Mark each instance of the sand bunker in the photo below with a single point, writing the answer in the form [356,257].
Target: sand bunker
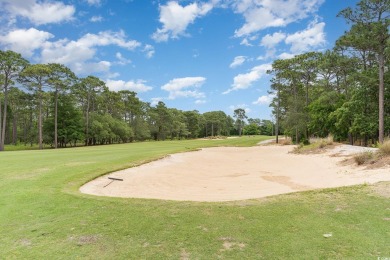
[231,173]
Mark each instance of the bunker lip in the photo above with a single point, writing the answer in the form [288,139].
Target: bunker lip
[233,173]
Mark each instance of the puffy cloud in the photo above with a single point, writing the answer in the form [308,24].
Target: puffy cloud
[264,100]
[238,61]
[176,18]
[185,87]
[136,86]
[262,14]
[25,41]
[244,81]
[77,54]
[270,41]
[39,12]
[286,56]
[307,39]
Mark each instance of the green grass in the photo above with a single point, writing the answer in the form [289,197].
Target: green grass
[43,216]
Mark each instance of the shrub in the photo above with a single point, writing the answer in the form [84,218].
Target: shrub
[363,158]
[286,141]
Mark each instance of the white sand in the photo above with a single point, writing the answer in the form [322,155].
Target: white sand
[228,174]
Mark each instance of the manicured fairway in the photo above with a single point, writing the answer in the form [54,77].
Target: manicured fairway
[43,215]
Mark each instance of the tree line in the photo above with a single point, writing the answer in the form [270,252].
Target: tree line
[48,104]
[344,91]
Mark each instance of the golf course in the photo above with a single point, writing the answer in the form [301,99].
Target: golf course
[45,216]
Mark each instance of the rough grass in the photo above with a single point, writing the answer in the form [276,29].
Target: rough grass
[384,149]
[379,158]
[364,158]
[317,145]
[43,216]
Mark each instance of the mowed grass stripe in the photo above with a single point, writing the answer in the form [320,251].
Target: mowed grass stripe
[43,216]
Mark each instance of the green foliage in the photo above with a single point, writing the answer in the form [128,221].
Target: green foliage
[70,124]
[251,129]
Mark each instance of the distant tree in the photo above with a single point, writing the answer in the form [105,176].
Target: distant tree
[251,129]
[240,116]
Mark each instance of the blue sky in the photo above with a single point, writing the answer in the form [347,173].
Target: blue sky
[205,55]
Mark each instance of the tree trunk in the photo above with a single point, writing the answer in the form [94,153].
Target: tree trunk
[381,60]
[40,138]
[87,122]
[277,117]
[55,119]
[2,138]
[14,130]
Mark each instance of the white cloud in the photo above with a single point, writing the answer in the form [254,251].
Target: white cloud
[91,67]
[238,61]
[246,42]
[79,53]
[149,51]
[264,100]
[39,12]
[96,19]
[185,87]
[25,41]
[262,14]
[200,102]
[270,41]
[242,106]
[156,100]
[176,18]
[286,56]
[94,2]
[122,60]
[136,86]
[244,81]
[310,38]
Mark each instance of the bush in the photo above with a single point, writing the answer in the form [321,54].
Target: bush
[286,141]
[363,158]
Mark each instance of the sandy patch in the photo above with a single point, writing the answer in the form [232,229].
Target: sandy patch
[232,173]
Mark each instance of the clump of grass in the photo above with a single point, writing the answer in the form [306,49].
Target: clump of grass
[286,141]
[316,145]
[363,158]
[384,149]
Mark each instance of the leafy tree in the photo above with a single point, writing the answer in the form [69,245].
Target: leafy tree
[70,125]
[240,116]
[88,91]
[251,129]
[11,64]
[36,77]
[369,32]
[61,79]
